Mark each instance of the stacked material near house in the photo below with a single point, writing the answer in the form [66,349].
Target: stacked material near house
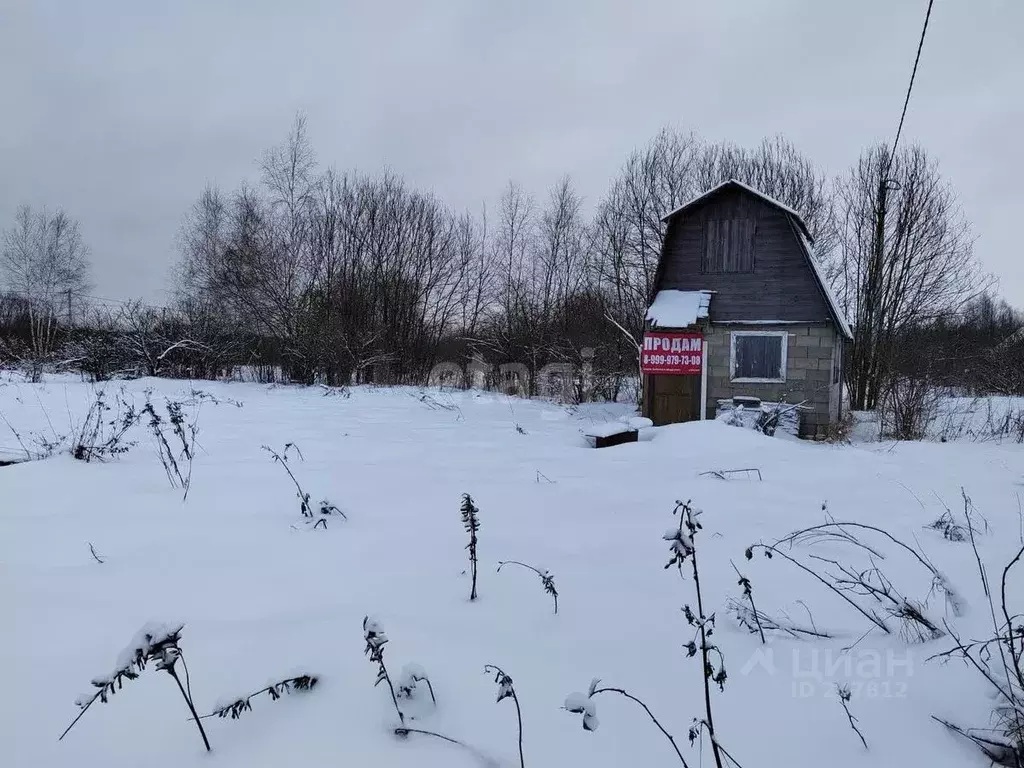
[764,417]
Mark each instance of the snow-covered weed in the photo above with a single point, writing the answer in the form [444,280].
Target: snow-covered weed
[506,690]
[408,682]
[471,522]
[584,704]
[326,509]
[376,639]
[177,462]
[236,707]
[844,694]
[156,643]
[547,580]
[867,589]
[683,550]
[999,659]
[948,526]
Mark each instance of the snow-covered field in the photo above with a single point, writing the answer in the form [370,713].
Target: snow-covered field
[263,596]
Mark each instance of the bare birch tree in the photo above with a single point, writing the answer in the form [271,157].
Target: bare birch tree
[46,261]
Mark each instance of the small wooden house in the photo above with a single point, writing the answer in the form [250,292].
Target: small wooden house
[740,309]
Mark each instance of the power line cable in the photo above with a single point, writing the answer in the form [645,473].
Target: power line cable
[913,76]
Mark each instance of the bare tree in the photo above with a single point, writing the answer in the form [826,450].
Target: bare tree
[45,260]
[201,242]
[904,257]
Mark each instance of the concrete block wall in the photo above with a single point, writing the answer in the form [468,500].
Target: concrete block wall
[810,359]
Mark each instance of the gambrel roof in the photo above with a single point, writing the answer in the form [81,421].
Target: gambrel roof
[801,231]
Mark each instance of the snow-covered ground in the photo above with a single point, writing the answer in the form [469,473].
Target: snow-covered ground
[263,596]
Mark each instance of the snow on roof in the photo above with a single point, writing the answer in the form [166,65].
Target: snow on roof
[608,428]
[735,182]
[625,424]
[837,311]
[678,309]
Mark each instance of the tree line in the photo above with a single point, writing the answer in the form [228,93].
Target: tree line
[321,275]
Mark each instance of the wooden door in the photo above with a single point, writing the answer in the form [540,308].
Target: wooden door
[672,399]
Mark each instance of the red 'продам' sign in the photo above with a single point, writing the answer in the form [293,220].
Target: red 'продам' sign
[672,353]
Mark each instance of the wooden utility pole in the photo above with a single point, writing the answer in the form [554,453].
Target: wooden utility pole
[875,287]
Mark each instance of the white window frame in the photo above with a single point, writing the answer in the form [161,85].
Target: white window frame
[784,338]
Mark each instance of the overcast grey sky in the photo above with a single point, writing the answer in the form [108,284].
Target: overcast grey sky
[122,110]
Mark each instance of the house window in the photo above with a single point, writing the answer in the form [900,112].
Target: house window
[728,246]
[758,356]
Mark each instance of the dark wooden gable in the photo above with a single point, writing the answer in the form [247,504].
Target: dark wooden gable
[748,251]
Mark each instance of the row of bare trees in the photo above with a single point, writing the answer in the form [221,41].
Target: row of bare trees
[44,263]
[361,278]
[319,275]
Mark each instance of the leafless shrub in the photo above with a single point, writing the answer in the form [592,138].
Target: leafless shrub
[839,431]
[908,404]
